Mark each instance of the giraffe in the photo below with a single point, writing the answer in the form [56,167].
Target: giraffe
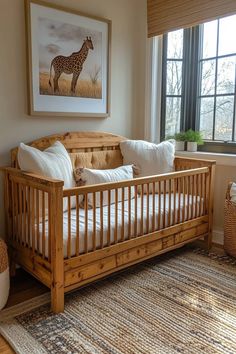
[72,64]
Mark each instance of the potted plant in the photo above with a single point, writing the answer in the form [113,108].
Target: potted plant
[179,141]
[193,138]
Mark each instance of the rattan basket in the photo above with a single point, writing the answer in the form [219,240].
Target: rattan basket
[230,224]
[4,274]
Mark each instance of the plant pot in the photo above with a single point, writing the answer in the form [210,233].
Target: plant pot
[192,146]
[179,145]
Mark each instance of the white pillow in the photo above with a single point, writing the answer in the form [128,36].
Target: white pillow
[148,158]
[92,176]
[53,162]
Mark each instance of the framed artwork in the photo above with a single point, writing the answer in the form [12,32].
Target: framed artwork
[68,61]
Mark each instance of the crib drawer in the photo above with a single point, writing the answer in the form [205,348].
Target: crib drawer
[191,233]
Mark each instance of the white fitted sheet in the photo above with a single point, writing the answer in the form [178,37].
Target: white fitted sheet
[196,205]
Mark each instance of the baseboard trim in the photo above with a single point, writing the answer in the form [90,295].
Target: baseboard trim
[218,237]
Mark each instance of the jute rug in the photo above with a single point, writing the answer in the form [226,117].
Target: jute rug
[183,302]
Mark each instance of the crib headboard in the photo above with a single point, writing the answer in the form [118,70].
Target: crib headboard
[76,142]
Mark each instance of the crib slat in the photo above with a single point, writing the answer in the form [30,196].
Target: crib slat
[174,208]
[25,213]
[123,215]
[101,219]
[159,205]
[188,196]
[20,212]
[192,196]
[116,216]
[170,204]
[29,216]
[207,192]
[43,224]
[147,215]
[77,226]
[179,199]
[109,219]
[195,195]
[184,202]
[37,220]
[49,226]
[94,221]
[13,210]
[86,223]
[17,211]
[153,207]
[129,211]
[142,195]
[69,229]
[136,211]
[202,194]
[164,203]
[33,219]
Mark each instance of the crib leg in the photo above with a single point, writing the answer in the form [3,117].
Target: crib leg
[57,298]
[208,241]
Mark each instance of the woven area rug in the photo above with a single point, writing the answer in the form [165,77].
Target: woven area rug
[182,302]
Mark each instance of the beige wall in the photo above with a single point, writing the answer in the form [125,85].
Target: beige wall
[127,75]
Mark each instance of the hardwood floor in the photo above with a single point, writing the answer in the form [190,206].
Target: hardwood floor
[23,287]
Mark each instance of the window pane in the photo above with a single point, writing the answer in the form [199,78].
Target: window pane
[208,77]
[209,39]
[173,109]
[206,117]
[224,118]
[226,75]
[174,78]
[227,43]
[175,45]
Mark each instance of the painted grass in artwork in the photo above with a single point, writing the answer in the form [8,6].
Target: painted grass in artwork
[84,88]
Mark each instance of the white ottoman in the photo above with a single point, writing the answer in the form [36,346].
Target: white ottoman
[4,275]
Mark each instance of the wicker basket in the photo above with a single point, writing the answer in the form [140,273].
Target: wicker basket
[230,224]
[4,274]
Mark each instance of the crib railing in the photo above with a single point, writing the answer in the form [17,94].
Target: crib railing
[34,211]
[162,192]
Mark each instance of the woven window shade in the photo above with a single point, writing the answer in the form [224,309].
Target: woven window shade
[168,15]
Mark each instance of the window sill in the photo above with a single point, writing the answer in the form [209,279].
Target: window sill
[221,159]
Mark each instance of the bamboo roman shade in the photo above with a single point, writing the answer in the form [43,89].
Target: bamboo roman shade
[168,15]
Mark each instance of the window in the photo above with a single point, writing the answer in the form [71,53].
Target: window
[198,81]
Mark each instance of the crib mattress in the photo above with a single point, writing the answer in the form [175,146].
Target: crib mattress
[147,225]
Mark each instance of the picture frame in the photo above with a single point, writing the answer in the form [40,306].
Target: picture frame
[68,61]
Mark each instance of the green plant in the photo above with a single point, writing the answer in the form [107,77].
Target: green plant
[177,136]
[194,136]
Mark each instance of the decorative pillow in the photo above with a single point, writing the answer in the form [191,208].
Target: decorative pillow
[53,162]
[86,176]
[148,158]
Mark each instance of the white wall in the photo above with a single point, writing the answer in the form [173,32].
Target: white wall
[127,76]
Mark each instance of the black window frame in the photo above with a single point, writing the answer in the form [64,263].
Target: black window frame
[191,90]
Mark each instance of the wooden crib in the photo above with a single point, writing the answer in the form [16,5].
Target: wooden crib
[51,245]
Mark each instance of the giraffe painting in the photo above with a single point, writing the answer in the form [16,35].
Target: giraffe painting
[72,64]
